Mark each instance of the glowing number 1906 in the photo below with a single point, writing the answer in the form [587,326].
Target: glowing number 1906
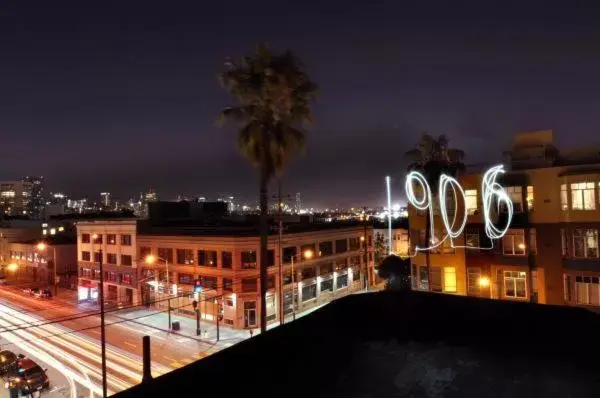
[418,194]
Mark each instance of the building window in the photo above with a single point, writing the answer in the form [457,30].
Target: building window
[186,279]
[97,257]
[472,238]
[226,260]
[207,258]
[585,243]
[582,196]
[126,240]
[325,248]
[166,254]
[473,278]
[271,282]
[423,278]
[354,243]
[185,256]
[529,198]
[98,239]
[126,260]
[342,281]
[145,252]
[309,272]
[532,241]
[341,245]
[515,284]
[564,243]
[248,260]
[471,201]
[327,285]
[288,253]
[111,258]
[309,292]
[208,282]
[516,196]
[513,243]
[270,258]
[111,239]
[450,279]
[227,285]
[85,238]
[127,279]
[587,290]
[564,197]
[85,256]
[248,285]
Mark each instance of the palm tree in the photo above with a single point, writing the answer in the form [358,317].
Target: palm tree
[274,94]
[433,157]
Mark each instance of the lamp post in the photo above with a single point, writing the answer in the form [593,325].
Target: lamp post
[102,326]
[14,267]
[151,259]
[41,247]
[308,254]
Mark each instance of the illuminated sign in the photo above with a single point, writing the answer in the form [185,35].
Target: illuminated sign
[418,194]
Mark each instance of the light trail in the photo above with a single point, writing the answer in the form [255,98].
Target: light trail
[48,343]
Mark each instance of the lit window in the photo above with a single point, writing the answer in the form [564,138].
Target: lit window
[564,201]
[529,198]
[515,284]
[587,290]
[450,279]
[564,243]
[472,238]
[44,232]
[52,231]
[583,196]
[585,243]
[516,196]
[473,281]
[471,201]
[513,243]
[60,229]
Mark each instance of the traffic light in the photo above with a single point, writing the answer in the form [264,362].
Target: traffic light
[197,286]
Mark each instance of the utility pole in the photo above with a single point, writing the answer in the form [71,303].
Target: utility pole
[281,310]
[169,311]
[366,249]
[147,361]
[218,316]
[102,329]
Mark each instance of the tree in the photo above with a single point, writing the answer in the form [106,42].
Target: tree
[274,94]
[379,248]
[433,157]
[396,271]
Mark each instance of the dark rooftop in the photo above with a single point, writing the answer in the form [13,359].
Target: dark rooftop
[53,240]
[405,344]
[224,227]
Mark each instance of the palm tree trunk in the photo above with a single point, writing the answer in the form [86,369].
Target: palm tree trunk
[427,243]
[264,230]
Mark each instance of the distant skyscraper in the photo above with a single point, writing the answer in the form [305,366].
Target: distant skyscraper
[105,198]
[151,196]
[37,201]
[298,202]
[15,197]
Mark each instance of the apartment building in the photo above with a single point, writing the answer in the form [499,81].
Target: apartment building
[15,197]
[550,252]
[217,266]
[399,238]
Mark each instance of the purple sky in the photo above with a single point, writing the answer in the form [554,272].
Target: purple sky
[123,95]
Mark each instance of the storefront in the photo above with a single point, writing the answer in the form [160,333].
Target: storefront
[87,291]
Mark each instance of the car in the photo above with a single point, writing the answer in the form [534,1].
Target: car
[44,294]
[29,377]
[8,362]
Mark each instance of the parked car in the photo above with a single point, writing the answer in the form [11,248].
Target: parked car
[8,362]
[43,294]
[29,377]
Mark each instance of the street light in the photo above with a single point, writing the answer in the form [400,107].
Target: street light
[13,267]
[151,259]
[308,254]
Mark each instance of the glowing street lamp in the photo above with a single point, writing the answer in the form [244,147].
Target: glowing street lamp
[41,246]
[13,267]
[484,281]
[307,254]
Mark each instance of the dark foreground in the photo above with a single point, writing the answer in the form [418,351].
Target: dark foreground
[405,345]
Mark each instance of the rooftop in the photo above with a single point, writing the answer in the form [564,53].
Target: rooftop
[405,344]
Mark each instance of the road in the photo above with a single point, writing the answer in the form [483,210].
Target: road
[70,349]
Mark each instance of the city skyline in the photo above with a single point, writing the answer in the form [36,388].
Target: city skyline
[149,103]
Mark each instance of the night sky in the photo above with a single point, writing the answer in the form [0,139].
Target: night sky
[123,95]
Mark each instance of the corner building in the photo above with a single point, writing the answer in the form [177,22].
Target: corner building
[225,262]
[550,253]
